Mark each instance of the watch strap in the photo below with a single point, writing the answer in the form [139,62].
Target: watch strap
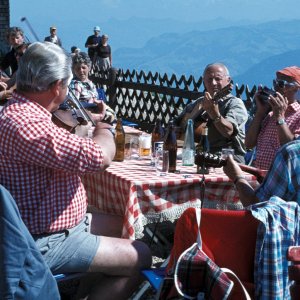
[280,122]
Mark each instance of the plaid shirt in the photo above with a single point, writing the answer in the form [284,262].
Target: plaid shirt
[268,140]
[41,164]
[279,229]
[283,179]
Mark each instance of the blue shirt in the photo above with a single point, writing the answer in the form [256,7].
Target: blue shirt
[278,230]
[283,179]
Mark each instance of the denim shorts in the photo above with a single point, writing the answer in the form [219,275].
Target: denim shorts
[70,250]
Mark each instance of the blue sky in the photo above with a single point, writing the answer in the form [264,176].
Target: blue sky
[187,10]
[80,14]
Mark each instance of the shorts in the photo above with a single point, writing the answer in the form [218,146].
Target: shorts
[70,250]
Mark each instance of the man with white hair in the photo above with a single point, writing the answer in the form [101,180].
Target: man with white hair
[47,162]
[226,114]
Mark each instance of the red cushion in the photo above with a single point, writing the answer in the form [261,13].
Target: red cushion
[228,238]
[186,235]
[231,237]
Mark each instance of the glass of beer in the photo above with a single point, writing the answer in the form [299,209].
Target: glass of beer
[145,145]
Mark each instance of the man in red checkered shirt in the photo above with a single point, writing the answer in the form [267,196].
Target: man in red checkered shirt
[41,165]
[277,119]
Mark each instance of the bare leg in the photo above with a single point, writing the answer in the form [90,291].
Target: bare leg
[107,225]
[120,262]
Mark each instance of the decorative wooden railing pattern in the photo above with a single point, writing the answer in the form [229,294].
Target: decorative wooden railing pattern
[142,98]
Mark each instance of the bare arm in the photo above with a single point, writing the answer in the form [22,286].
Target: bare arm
[279,106]
[212,108]
[105,139]
[262,108]
[246,192]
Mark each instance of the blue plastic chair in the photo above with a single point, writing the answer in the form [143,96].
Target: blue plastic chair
[68,276]
[101,94]
[129,123]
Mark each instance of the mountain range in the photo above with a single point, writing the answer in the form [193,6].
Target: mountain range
[252,52]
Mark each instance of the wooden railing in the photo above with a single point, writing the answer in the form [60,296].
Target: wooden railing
[142,98]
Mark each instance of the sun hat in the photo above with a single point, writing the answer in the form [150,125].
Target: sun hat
[292,72]
[96,28]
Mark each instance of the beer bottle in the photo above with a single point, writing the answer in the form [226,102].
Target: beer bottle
[188,148]
[170,144]
[157,134]
[203,146]
[120,141]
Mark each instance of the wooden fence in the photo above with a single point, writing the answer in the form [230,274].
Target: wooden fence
[142,98]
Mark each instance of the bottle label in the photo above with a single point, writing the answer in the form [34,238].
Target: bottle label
[158,146]
[188,157]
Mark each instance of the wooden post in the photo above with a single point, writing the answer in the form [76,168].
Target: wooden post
[112,89]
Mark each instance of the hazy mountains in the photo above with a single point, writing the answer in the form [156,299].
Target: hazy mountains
[252,52]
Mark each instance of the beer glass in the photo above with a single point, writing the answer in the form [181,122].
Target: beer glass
[145,145]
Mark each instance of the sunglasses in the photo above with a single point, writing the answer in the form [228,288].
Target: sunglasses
[283,83]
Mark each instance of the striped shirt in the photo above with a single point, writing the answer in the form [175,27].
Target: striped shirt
[41,165]
[268,140]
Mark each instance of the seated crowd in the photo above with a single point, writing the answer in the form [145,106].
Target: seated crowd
[35,154]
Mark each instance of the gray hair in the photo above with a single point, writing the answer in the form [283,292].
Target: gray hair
[217,64]
[41,66]
[81,58]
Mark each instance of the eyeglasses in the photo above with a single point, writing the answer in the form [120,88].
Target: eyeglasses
[283,83]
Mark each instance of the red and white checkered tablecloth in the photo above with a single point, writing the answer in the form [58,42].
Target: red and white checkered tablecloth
[133,190]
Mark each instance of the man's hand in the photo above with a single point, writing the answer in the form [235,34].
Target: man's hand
[262,103]
[279,105]
[232,169]
[101,110]
[210,106]
[3,86]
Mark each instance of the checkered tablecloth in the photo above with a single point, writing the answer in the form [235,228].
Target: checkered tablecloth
[133,190]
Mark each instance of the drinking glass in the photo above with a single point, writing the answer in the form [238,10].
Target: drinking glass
[133,151]
[162,162]
[145,145]
[226,152]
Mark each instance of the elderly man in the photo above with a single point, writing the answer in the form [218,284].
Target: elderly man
[271,129]
[41,166]
[226,114]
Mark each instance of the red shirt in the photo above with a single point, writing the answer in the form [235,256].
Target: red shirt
[41,165]
[268,140]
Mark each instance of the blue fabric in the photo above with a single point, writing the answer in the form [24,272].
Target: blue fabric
[283,179]
[24,273]
[101,94]
[279,229]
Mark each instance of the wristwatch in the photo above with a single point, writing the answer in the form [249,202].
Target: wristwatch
[280,122]
[217,119]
